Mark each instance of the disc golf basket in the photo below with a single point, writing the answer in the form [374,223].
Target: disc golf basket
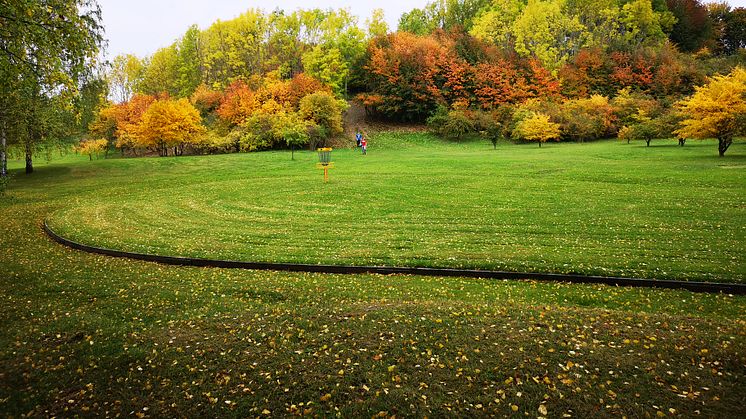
[325,161]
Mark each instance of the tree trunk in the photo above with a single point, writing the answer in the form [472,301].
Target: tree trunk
[29,159]
[723,144]
[647,142]
[292,152]
[3,155]
[539,144]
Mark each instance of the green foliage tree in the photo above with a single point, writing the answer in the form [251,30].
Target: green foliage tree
[452,124]
[324,110]
[124,77]
[643,128]
[643,25]
[376,24]
[161,73]
[544,31]
[188,69]
[495,24]
[293,130]
[234,49]
[728,27]
[416,22]
[48,48]
[442,14]
[328,66]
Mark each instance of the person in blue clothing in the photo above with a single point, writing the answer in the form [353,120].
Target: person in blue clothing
[359,137]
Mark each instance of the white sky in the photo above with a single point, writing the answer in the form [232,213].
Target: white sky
[140,27]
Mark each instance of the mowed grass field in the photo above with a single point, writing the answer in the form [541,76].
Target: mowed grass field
[604,208]
[96,336]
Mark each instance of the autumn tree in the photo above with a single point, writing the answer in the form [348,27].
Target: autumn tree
[586,119]
[402,70]
[92,147]
[168,124]
[238,103]
[127,117]
[717,109]
[205,99]
[536,127]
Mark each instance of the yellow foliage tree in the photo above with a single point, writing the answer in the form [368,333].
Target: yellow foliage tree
[169,124]
[717,109]
[91,147]
[537,127]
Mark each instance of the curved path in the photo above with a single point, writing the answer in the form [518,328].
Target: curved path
[711,287]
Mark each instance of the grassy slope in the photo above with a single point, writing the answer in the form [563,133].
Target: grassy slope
[84,334]
[602,208]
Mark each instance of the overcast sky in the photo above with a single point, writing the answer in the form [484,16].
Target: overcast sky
[140,27]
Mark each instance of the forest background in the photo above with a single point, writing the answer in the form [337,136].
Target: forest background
[536,70]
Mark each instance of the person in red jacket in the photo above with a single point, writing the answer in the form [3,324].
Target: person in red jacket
[364,145]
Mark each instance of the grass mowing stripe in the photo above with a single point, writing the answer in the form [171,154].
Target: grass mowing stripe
[710,287]
[86,335]
[614,209]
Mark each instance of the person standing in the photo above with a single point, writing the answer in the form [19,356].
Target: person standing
[359,137]
[364,145]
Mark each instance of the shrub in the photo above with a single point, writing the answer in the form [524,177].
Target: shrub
[324,110]
[487,126]
[585,119]
[437,121]
[257,132]
[451,124]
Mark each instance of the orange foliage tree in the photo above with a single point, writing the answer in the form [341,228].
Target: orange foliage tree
[205,99]
[238,103]
[169,124]
[402,71]
[410,76]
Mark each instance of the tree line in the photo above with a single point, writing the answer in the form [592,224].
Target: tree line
[582,69]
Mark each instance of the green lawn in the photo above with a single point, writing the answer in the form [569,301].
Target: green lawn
[90,335]
[603,208]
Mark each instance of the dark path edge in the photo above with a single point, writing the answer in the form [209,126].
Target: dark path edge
[708,287]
